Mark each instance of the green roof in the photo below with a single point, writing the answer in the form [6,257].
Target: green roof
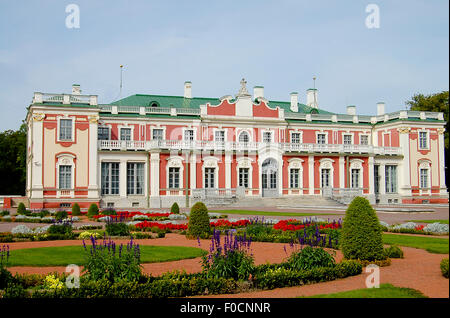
[195,102]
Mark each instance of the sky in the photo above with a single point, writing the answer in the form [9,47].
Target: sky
[280,45]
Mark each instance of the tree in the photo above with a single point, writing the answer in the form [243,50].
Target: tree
[13,160]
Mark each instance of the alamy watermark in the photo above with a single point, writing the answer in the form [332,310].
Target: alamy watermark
[373,19]
[73,18]
[373,280]
[73,279]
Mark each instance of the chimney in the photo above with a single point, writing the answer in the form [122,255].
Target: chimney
[76,89]
[311,98]
[294,102]
[380,108]
[258,91]
[351,110]
[187,89]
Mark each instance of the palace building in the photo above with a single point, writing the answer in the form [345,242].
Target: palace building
[148,151]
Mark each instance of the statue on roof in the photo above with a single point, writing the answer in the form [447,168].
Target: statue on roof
[243,90]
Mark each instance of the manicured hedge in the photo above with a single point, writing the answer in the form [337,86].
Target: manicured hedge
[444,267]
[198,225]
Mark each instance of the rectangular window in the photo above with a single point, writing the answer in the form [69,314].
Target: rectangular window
[110,178]
[243,177]
[135,178]
[209,178]
[219,135]
[347,139]
[125,133]
[321,138]
[273,180]
[267,136]
[294,178]
[376,178]
[364,140]
[295,138]
[65,129]
[423,140]
[391,179]
[103,133]
[355,178]
[424,178]
[325,177]
[174,178]
[189,135]
[158,134]
[65,177]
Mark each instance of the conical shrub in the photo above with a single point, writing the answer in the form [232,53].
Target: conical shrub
[175,208]
[361,236]
[198,225]
[76,209]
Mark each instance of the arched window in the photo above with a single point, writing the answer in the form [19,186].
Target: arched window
[314,111]
[153,104]
[244,137]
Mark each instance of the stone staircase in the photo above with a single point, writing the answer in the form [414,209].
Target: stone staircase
[281,202]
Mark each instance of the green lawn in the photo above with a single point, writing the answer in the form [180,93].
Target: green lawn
[64,255]
[430,244]
[269,213]
[385,291]
[429,221]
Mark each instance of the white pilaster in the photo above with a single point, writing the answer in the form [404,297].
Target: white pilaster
[341,172]
[154,177]
[37,151]
[404,166]
[382,175]
[311,174]
[442,183]
[193,170]
[228,160]
[371,177]
[123,178]
[93,158]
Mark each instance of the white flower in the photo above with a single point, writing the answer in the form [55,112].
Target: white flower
[21,229]
[436,228]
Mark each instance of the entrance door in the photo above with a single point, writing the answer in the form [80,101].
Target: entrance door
[269,178]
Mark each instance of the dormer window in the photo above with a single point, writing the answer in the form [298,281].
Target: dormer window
[153,104]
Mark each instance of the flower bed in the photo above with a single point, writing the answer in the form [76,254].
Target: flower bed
[161,226]
[295,225]
[414,228]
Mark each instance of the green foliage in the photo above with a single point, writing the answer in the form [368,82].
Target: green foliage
[198,225]
[108,211]
[361,236]
[13,161]
[308,258]
[5,277]
[4,212]
[93,210]
[76,209]
[21,209]
[61,215]
[393,251]
[175,208]
[444,267]
[63,228]
[111,262]
[236,264]
[15,290]
[117,229]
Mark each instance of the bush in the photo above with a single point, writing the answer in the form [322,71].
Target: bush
[361,236]
[175,208]
[309,258]
[60,228]
[108,211]
[106,261]
[117,229]
[93,210]
[444,267]
[76,209]
[21,209]
[61,215]
[4,212]
[393,251]
[6,237]
[198,225]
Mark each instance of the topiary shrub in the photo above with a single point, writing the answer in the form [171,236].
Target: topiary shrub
[308,258]
[21,209]
[93,210]
[198,225]
[175,208]
[61,215]
[76,209]
[393,251]
[361,236]
[108,211]
[444,267]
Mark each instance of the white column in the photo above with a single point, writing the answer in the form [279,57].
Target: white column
[382,175]
[442,186]
[280,168]
[371,177]
[123,178]
[311,174]
[37,151]
[154,180]
[93,158]
[228,160]
[341,172]
[193,170]
[404,176]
